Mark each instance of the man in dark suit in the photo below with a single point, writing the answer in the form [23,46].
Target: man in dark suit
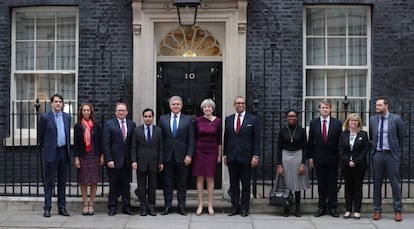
[147,154]
[55,144]
[117,135]
[179,139]
[386,131]
[241,153]
[324,135]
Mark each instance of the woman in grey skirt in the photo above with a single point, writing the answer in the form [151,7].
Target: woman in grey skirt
[291,158]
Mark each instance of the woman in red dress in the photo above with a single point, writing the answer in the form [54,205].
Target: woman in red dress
[207,152]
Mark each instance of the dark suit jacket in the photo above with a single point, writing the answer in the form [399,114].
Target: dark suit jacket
[48,135]
[358,152]
[320,151]
[183,144]
[114,147]
[246,144]
[80,147]
[395,134]
[147,155]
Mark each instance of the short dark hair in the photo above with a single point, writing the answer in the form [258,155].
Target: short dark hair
[56,95]
[291,110]
[146,110]
[386,100]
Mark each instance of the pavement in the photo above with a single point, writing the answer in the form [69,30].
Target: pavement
[26,218]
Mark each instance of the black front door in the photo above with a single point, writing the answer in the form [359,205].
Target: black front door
[194,82]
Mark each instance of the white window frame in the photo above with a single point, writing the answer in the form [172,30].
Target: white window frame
[20,137]
[337,67]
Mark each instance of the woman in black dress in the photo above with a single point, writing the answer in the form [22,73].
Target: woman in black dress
[88,156]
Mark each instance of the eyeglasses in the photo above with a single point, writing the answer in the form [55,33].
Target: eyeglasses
[121,110]
[240,103]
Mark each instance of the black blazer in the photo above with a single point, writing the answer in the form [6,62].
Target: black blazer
[320,151]
[114,147]
[80,147]
[183,144]
[147,155]
[246,144]
[358,152]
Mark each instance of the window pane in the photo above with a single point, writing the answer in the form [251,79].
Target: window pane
[25,87]
[315,51]
[315,22]
[357,51]
[45,55]
[25,55]
[65,55]
[357,80]
[336,51]
[66,26]
[336,21]
[25,26]
[45,86]
[315,82]
[336,82]
[45,26]
[66,86]
[357,22]
[24,115]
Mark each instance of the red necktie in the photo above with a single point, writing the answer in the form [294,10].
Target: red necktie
[238,124]
[123,130]
[324,135]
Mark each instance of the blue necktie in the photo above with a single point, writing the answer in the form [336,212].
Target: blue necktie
[174,127]
[148,134]
[60,130]
[381,140]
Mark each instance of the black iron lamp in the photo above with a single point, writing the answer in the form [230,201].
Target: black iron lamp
[187,11]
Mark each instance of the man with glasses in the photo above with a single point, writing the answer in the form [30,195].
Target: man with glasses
[117,135]
[241,153]
[55,144]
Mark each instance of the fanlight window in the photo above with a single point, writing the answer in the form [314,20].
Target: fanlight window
[189,42]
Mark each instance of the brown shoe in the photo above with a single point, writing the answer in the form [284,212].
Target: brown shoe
[377,216]
[398,217]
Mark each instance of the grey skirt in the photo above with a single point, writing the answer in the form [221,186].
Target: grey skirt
[291,161]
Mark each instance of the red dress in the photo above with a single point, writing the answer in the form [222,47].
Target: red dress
[206,148]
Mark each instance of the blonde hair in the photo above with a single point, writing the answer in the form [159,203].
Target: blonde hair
[345,127]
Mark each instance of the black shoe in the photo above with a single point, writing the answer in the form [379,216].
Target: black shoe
[62,211]
[152,212]
[234,212]
[182,211]
[333,213]
[244,213]
[112,212]
[320,212]
[297,213]
[166,211]
[143,212]
[127,211]
[286,212]
[46,213]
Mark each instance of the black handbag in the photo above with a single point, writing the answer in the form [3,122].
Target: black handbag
[281,197]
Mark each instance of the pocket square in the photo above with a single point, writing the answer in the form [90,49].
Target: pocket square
[248,125]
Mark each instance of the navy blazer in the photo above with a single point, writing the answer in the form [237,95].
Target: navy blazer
[183,143]
[358,152]
[395,134]
[244,145]
[80,146]
[114,147]
[48,135]
[147,155]
[319,150]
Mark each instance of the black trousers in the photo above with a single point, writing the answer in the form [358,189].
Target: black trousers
[353,188]
[119,179]
[239,172]
[327,174]
[147,184]
[175,174]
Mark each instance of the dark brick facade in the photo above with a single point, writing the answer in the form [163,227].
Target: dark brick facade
[274,53]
